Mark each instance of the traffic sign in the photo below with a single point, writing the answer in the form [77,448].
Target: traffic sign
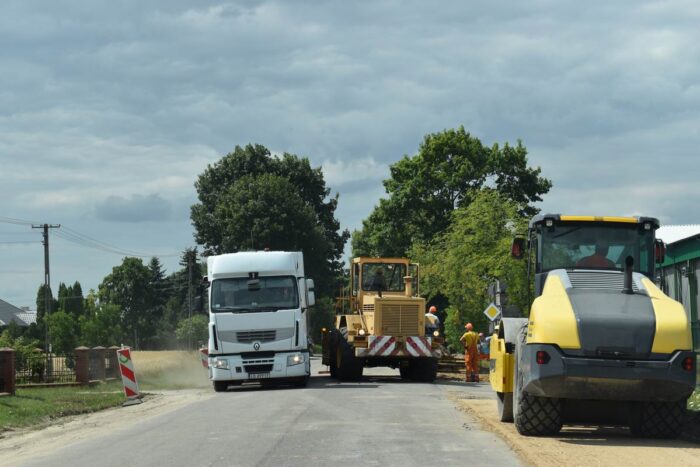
[492,312]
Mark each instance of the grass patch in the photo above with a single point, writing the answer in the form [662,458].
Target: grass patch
[169,369]
[32,406]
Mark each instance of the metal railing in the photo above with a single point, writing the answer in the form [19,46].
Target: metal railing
[44,368]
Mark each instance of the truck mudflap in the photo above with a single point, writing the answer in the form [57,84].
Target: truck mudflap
[572,377]
[391,346]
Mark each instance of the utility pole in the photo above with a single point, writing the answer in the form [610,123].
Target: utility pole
[47,280]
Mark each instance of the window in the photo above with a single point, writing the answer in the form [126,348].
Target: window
[265,294]
[392,273]
[596,246]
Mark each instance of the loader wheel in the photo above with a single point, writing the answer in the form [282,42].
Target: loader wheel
[533,415]
[423,369]
[505,406]
[405,372]
[350,367]
[332,357]
[658,419]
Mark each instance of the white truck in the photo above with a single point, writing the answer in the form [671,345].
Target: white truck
[258,310]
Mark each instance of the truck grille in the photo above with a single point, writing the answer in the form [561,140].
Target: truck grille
[246,337]
[400,320]
[265,368]
[599,280]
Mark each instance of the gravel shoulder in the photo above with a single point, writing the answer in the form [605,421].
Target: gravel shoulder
[582,445]
[20,445]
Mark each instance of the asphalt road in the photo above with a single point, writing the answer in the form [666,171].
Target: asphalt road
[379,421]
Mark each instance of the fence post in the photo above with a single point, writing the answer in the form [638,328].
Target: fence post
[113,362]
[98,359]
[82,365]
[7,370]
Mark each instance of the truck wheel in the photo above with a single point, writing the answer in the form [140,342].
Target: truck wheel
[505,406]
[220,386]
[533,415]
[424,369]
[350,368]
[301,382]
[332,355]
[658,419]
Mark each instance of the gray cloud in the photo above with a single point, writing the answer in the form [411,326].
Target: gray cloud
[132,97]
[137,208]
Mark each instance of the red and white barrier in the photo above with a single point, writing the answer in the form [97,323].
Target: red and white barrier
[204,354]
[126,367]
[386,346]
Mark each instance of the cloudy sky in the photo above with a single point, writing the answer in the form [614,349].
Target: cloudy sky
[109,110]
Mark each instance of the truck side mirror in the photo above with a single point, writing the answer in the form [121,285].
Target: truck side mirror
[659,251]
[517,248]
[310,292]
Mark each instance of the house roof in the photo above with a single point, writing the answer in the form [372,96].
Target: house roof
[676,233]
[9,313]
[28,316]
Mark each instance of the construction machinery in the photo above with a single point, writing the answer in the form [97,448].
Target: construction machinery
[602,342]
[383,324]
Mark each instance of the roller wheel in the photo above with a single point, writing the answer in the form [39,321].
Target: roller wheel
[424,369]
[533,415]
[350,367]
[658,419]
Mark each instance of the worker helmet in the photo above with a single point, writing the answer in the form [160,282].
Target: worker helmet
[433,309]
[468,326]
[481,334]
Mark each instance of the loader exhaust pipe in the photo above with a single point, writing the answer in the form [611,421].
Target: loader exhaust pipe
[629,262]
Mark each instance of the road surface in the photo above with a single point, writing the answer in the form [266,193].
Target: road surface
[379,421]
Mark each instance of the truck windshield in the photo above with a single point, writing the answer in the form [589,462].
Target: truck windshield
[242,295]
[588,245]
[389,275]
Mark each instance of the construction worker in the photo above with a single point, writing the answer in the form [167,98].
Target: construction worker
[432,322]
[599,259]
[470,339]
[379,281]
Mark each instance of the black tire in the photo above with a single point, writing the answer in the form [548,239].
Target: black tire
[302,382]
[221,386]
[533,415]
[405,372]
[505,406]
[424,369]
[333,355]
[658,419]
[350,367]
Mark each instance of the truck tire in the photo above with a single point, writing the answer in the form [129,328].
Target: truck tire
[350,367]
[424,369]
[533,415]
[505,406]
[658,419]
[301,382]
[220,386]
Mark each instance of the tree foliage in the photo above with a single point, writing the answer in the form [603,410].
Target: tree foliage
[443,176]
[251,200]
[471,254]
[194,330]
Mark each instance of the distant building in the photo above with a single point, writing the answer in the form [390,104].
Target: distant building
[9,313]
[678,275]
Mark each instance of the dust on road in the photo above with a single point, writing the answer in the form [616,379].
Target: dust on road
[582,445]
[20,445]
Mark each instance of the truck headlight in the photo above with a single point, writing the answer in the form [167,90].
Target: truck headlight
[436,333]
[221,364]
[295,359]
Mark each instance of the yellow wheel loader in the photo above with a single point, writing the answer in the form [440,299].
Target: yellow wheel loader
[384,325]
[602,343]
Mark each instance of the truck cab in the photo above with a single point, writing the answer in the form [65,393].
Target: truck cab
[258,317]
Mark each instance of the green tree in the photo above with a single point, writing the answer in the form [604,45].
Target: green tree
[194,330]
[425,189]
[63,330]
[101,325]
[129,287]
[473,252]
[321,316]
[285,205]
[41,309]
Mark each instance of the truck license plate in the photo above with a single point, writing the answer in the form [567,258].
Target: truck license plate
[258,375]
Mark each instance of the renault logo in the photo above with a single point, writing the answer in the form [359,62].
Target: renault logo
[256,345]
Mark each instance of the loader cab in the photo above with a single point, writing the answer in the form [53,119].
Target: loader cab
[369,276]
[590,243]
